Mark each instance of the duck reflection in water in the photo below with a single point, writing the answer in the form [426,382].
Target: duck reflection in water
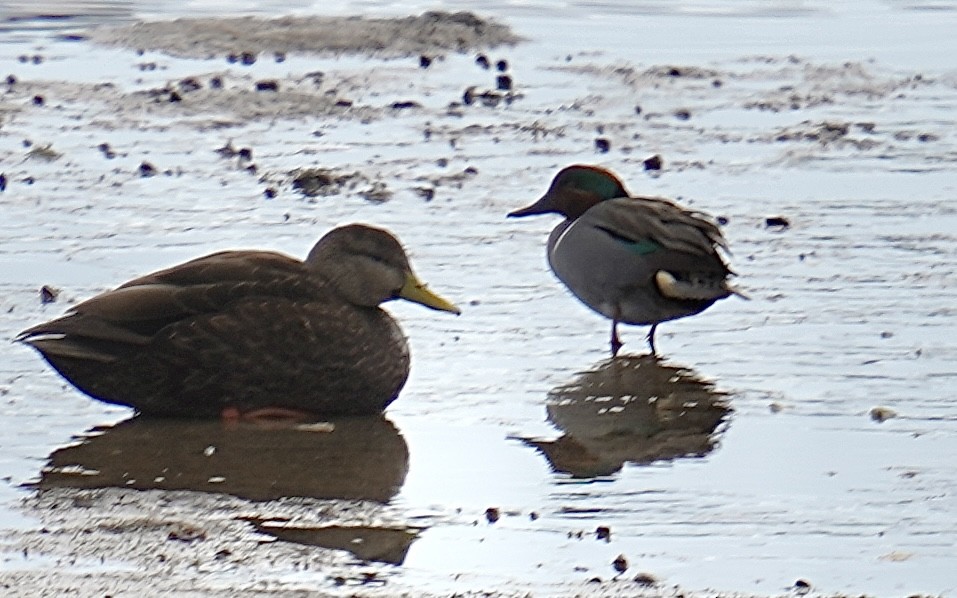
[634,409]
[361,457]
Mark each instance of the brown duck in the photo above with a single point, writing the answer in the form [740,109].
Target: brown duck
[247,333]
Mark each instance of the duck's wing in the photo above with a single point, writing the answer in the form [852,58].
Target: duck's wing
[107,325]
[652,224]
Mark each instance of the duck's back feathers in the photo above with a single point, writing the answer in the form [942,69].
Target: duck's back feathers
[651,219]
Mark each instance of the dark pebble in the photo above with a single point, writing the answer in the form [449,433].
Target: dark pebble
[426,193]
[37,59]
[468,97]
[106,150]
[722,220]
[247,58]
[471,170]
[29,180]
[646,580]
[682,114]
[267,85]
[620,563]
[503,83]
[175,97]
[424,61]
[776,221]
[3,182]
[405,105]
[11,80]
[482,61]
[442,162]
[344,103]
[637,109]
[147,169]
[602,145]
[251,169]
[653,163]
[492,514]
[502,66]
[38,100]
[190,84]
[48,294]
[533,515]
[716,83]
[245,153]
[280,57]
[216,83]
[674,72]
[603,532]
[23,58]
[231,58]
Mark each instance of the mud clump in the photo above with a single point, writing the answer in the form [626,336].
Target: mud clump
[425,34]
[315,182]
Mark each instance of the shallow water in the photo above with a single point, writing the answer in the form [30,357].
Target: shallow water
[839,119]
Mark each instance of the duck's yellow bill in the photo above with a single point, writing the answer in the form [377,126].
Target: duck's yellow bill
[415,290]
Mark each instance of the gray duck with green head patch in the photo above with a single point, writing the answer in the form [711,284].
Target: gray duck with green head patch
[634,260]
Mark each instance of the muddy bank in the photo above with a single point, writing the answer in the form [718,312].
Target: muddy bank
[243,38]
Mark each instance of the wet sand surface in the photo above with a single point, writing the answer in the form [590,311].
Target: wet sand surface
[800,441]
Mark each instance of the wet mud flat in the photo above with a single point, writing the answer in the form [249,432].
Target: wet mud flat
[795,442]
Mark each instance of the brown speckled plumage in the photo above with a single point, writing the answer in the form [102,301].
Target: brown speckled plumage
[247,330]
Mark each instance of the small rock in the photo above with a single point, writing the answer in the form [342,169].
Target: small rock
[603,532]
[48,294]
[147,170]
[492,514]
[268,85]
[269,193]
[11,80]
[501,66]
[279,57]
[482,61]
[716,83]
[190,84]
[723,220]
[106,150]
[682,114]
[646,580]
[3,182]
[248,58]
[802,586]
[216,83]
[175,97]
[602,144]
[881,414]
[503,83]
[232,58]
[637,109]
[533,516]
[426,193]
[344,103]
[620,563]
[674,72]
[776,222]
[425,61]
[653,163]
[38,100]
[405,105]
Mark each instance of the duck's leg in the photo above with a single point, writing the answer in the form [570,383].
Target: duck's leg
[651,339]
[615,341]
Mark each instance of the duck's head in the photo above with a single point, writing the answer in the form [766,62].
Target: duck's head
[367,266]
[574,190]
